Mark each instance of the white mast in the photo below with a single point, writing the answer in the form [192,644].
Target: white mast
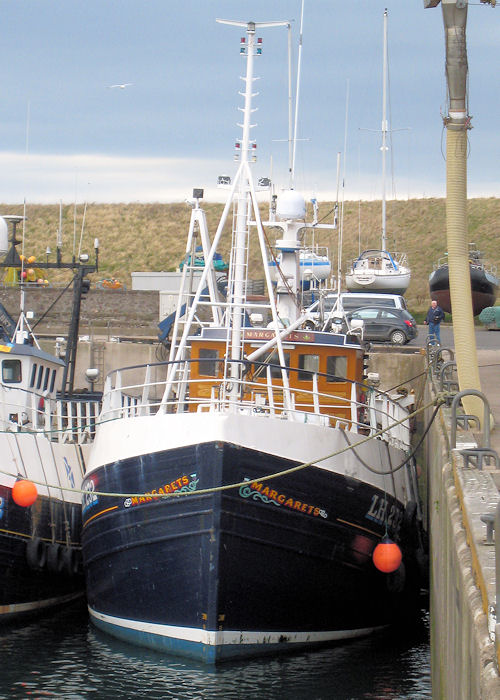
[299,65]
[384,133]
[245,188]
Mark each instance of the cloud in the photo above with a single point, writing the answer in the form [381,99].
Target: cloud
[45,178]
[48,179]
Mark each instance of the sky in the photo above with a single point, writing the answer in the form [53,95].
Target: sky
[66,135]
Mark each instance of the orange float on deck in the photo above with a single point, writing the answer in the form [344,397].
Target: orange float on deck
[387,556]
[24,493]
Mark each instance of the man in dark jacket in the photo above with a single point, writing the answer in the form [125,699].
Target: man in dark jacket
[433,319]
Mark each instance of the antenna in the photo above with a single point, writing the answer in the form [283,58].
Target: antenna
[341,228]
[290,108]
[297,91]
[59,234]
[83,226]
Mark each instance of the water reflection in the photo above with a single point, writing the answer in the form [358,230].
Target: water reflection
[65,657]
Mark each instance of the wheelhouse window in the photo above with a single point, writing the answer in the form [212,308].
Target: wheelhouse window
[275,360]
[11,371]
[40,377]
[33,374]
[207,366]
[336,368]
[308,365]
[271,359]
[46,380]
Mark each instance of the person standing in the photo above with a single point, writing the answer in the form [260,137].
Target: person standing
[433,319]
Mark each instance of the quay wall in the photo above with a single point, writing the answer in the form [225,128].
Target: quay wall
[462,566]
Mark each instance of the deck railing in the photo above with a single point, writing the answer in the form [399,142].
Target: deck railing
[63,419]
[359,408]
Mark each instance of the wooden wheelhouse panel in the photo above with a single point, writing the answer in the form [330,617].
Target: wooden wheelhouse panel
[327,369]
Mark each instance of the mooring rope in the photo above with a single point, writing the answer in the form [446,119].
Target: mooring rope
[437,402]
[393,470]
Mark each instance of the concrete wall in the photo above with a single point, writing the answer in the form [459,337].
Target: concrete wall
[106,308]
[464,664]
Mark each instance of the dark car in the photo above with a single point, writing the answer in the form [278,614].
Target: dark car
[384,324]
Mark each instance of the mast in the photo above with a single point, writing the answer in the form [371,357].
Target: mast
[239,275]
[244,196]
[299,67]
[384,132]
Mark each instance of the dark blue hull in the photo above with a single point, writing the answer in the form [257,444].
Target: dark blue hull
[263,567]
[484,288]
[41,569]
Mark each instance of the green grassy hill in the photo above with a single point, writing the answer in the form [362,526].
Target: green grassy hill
[143,237]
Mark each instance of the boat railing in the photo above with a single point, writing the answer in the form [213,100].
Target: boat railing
[353,407]
[475,262]
[74,419]
[367,258]
[400,258]
[69,419]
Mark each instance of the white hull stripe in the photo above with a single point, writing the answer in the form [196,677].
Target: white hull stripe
[18,608]
[220,638]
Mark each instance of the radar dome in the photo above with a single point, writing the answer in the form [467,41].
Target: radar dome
[291,205]
[4,236]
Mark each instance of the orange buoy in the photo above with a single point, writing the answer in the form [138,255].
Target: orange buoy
[24,493]
[387,556]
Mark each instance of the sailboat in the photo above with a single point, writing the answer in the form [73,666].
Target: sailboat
[235,494]
[378,270]
[46,428]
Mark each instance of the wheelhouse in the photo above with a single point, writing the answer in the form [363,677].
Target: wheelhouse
[323,371]
[29,377]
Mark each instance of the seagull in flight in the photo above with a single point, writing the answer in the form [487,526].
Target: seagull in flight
[122,86]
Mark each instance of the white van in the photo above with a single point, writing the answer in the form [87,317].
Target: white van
[356,300]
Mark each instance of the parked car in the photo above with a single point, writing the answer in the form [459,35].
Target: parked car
[351,301]
[384,324]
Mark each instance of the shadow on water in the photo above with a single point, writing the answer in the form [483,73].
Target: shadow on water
[64,657]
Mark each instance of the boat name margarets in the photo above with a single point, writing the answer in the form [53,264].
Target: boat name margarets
[267,494]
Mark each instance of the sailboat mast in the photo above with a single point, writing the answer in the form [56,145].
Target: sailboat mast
[384,133]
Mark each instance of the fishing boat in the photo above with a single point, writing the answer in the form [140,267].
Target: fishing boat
[378,270]
[236,493]
[45,434]
[483,281]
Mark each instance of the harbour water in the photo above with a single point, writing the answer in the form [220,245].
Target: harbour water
[65,657]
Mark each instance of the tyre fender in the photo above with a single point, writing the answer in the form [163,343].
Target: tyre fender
[54,558]
[36,553]
[69,559]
